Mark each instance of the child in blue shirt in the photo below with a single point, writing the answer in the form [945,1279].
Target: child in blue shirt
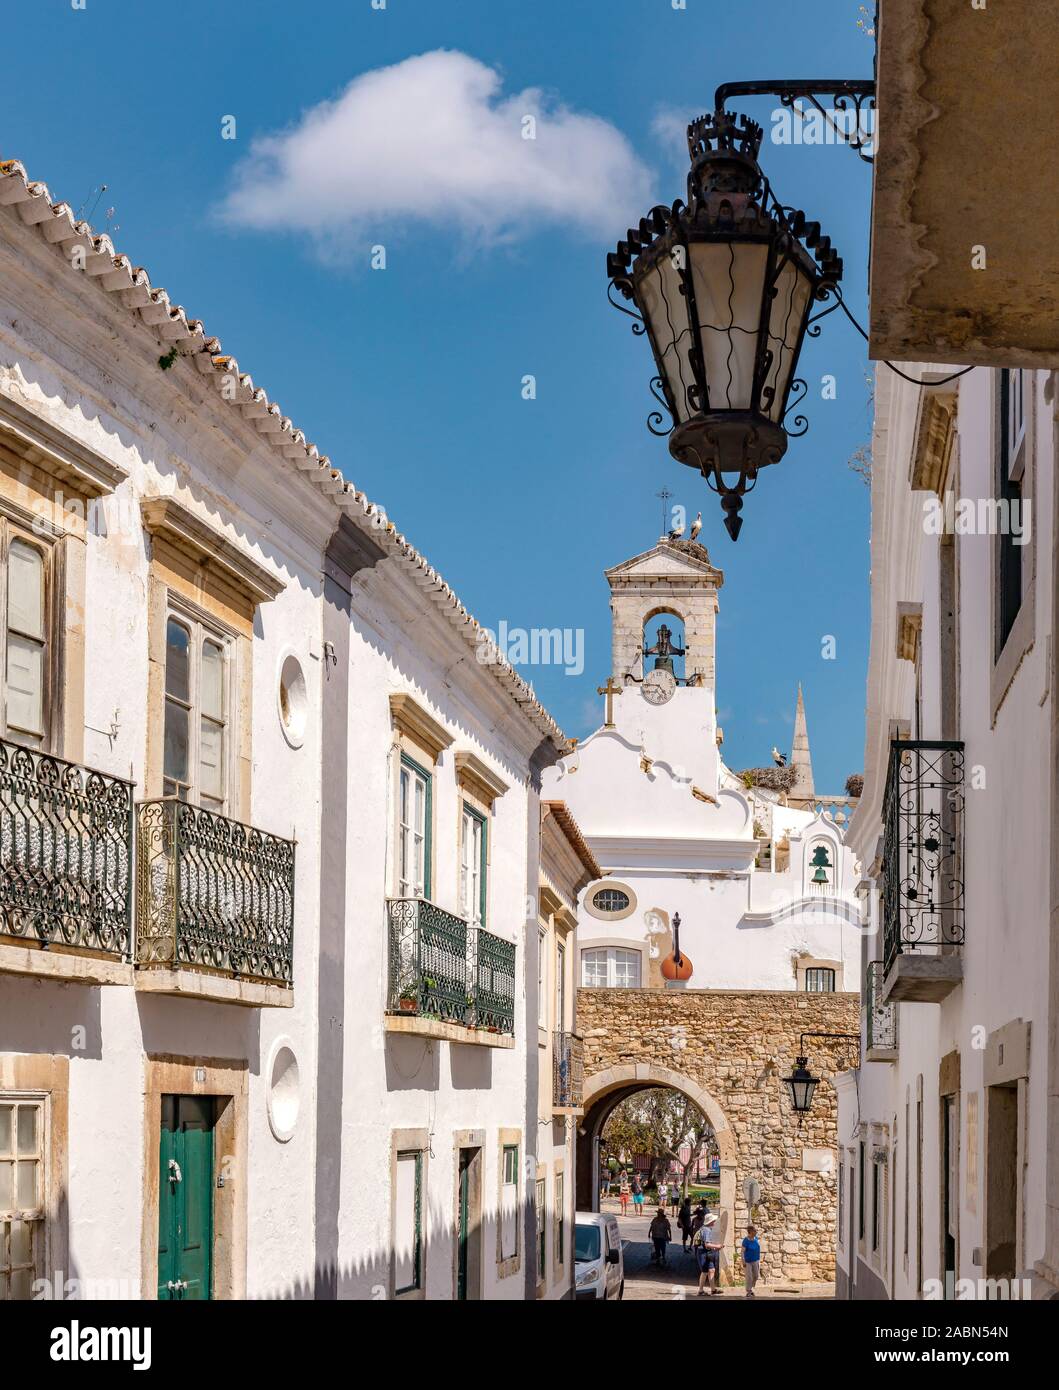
[751,1259]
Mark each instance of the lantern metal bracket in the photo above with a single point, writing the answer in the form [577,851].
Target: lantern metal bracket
[850,96]
[853,1038]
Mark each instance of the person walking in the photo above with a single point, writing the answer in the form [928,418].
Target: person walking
[661,1234]
[751,1259]
[623,1194]
[637,1195]
[663,1193]
[674,1197]
[684,1222]
[708,1256]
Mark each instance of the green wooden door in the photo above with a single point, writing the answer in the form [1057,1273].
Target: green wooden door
[185,1198]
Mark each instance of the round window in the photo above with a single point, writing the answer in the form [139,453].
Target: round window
[284,1091]
[610,900]
[293,701]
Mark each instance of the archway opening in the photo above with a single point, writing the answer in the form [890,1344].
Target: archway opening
[659,1141]
[615,1100]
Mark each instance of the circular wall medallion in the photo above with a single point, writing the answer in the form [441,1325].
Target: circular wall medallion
[609,901]
[292,700]
[658,687]
[284,1090]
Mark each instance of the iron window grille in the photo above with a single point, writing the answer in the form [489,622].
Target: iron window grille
[923,890]
[568,1071]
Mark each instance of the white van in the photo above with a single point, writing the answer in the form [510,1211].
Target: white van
[599,1264]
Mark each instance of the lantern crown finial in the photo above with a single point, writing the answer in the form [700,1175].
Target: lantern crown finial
[724,132]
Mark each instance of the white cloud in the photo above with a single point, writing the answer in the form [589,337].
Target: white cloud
[433,139]
[670,128]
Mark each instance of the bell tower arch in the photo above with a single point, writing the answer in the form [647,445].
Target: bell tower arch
[676,583]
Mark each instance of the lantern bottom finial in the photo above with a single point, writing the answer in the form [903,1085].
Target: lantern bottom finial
[735,443]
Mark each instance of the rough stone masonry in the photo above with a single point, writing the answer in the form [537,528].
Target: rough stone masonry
[735,1046]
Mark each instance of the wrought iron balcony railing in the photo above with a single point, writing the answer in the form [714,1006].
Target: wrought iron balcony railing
[881,1019]
[65,853]
[493,981]
[922,896]
[213,894]
[428,962]
[568,1071]
[443,969]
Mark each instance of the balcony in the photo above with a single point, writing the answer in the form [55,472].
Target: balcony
[922,895]
[448,980]
[215,907]
[568,1074]
[881,1019]
[65,869]
[492,970]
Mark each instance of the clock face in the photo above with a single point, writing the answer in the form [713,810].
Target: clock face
[658,687]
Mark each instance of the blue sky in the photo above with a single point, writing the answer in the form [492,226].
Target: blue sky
[411,377]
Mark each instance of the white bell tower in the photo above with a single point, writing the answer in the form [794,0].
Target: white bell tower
[670,716]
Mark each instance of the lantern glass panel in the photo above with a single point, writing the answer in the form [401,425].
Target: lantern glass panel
[728,280]
[789,307]
[665,310]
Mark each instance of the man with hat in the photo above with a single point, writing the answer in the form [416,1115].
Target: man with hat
[708,1255]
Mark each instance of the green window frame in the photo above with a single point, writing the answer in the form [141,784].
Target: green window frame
[541,1229]
[560,1221]
[408,880]
[480,822]
[416,1156]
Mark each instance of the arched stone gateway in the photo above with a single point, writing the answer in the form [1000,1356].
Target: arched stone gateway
[728,1052]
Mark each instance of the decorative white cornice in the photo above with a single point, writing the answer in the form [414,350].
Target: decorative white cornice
[412,719]
[478,778]
[186,531]
[38,441]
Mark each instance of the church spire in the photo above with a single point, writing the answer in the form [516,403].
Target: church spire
[801,792]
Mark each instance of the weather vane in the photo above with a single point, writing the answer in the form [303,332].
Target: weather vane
[664,497]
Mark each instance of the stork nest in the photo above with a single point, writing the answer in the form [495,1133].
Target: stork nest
[773,779]
[855,785]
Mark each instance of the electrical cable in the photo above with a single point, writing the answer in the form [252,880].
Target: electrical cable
[896,370]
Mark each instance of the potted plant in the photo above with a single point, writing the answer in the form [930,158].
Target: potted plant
[408,999]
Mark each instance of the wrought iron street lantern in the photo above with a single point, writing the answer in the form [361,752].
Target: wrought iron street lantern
[724,286]
[801,1085]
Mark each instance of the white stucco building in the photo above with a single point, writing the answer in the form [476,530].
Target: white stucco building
[948,1129]
[273,894]
[762,880]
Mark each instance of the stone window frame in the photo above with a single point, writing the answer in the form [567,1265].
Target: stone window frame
[51,482]
[55,519]
[1019,642]
[560,1227]
[404,1141]
[804,963]
[202,626]
[44,1076]
[421,740]
[193,565]
[600,914]
[608,943]
[505,1267]
[16,526]
[540,1228]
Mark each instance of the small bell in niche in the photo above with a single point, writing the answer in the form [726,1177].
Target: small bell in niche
[821,863]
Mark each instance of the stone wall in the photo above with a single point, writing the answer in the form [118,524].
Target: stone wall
[735,1047]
